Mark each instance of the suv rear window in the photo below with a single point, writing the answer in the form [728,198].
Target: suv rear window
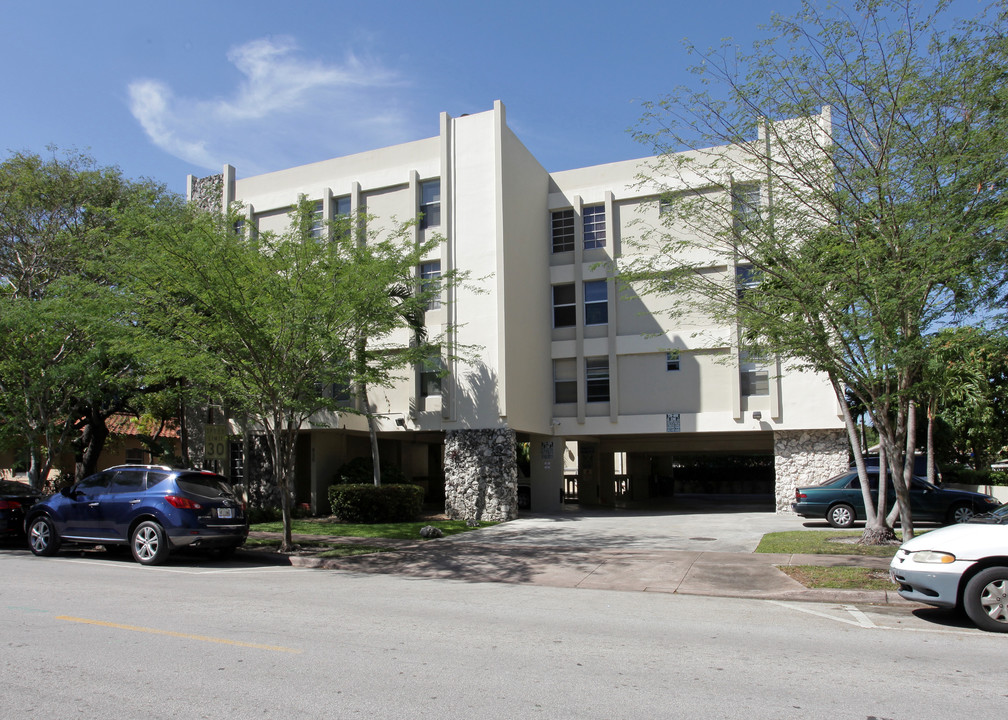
[205,485]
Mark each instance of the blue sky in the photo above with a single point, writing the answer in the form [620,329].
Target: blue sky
[166,89]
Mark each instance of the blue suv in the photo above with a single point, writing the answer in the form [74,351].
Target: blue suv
[151,509]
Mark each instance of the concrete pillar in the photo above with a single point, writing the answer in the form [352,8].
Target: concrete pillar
[547,473]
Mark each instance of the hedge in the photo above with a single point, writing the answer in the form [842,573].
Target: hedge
[366,503]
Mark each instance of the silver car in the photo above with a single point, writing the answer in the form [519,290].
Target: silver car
[964,566]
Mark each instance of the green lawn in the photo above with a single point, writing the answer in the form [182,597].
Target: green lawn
[818,542]
[394,531]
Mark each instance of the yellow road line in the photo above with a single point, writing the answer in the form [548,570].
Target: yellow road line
[155,631]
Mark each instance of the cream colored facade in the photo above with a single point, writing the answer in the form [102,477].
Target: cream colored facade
[592,367]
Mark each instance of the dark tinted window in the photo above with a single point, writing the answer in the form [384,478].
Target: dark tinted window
[204,485]
[94,484]
[126,481]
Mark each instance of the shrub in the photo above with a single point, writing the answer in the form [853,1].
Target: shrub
[968,476]
[365,503]
[361,471]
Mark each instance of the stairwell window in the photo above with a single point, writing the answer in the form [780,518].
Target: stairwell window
[318,222]
[564,381]
[430,282]
[430,203]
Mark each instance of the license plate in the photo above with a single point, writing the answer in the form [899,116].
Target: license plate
[225,513]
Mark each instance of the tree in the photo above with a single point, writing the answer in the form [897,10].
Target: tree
[264,321]
[968,393]
[381,350]
[67,362]
[859,204]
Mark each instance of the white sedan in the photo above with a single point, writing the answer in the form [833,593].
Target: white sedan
[963,566]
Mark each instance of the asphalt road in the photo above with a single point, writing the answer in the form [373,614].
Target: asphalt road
[102,637]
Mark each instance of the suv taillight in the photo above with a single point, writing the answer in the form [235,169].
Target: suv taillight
[183,503]
[9,505]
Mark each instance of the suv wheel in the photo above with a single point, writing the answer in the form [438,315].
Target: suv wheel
[42,537]
[149,544]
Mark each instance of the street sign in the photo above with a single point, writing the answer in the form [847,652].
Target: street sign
[216,442]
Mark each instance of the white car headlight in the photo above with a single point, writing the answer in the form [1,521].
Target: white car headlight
[931,556]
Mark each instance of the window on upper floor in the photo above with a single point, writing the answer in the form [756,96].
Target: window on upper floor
[318,221]
[594,226]
[754,382]
[565,381]
[430,282]
[596,302]
[430,203]
[341,215]
[431,373]
[746,278]
[745,207]
[671,361]
[564,306]
[597,379]
[563,230]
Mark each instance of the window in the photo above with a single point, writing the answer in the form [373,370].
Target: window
[746,206]
[341,207]
[431,372]
[665,206]
[135,456]
[565,381]
[127,481]
[596,300]
[318,222]
[597,379]
[563,231]
[430,274]
[755,382]
[594,227]
[430,203]
[672,361]
[564,306]
[746,278]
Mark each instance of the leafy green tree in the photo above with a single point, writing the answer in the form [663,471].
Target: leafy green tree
[67,362]
[265,320]
[860,206]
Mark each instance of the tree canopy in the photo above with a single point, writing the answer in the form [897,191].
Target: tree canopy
[853,202]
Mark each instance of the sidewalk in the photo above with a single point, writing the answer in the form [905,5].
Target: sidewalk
[606,550]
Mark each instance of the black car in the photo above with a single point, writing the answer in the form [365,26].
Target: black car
[151,509]
[839,501]
[15,499]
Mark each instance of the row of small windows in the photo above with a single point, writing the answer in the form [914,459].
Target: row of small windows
[596,304]
[430,208]
[593,224]
[753,382]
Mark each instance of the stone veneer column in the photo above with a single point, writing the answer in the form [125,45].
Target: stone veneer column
[806,457]
[481,475]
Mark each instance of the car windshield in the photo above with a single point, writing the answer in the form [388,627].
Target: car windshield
[205,485]
[835,478]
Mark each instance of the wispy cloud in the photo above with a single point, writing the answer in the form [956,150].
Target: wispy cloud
[286,110]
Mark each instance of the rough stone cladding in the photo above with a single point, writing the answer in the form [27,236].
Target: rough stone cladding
[208,193]
[481,475]
[806,457]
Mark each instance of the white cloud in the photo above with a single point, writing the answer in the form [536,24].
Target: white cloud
[286,110]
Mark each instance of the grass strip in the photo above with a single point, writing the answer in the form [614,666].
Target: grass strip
[819,542]
[842,578]
[400,531]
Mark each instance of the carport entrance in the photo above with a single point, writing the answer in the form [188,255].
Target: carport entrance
[652,471]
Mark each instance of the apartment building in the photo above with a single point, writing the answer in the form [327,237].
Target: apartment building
[568,360]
